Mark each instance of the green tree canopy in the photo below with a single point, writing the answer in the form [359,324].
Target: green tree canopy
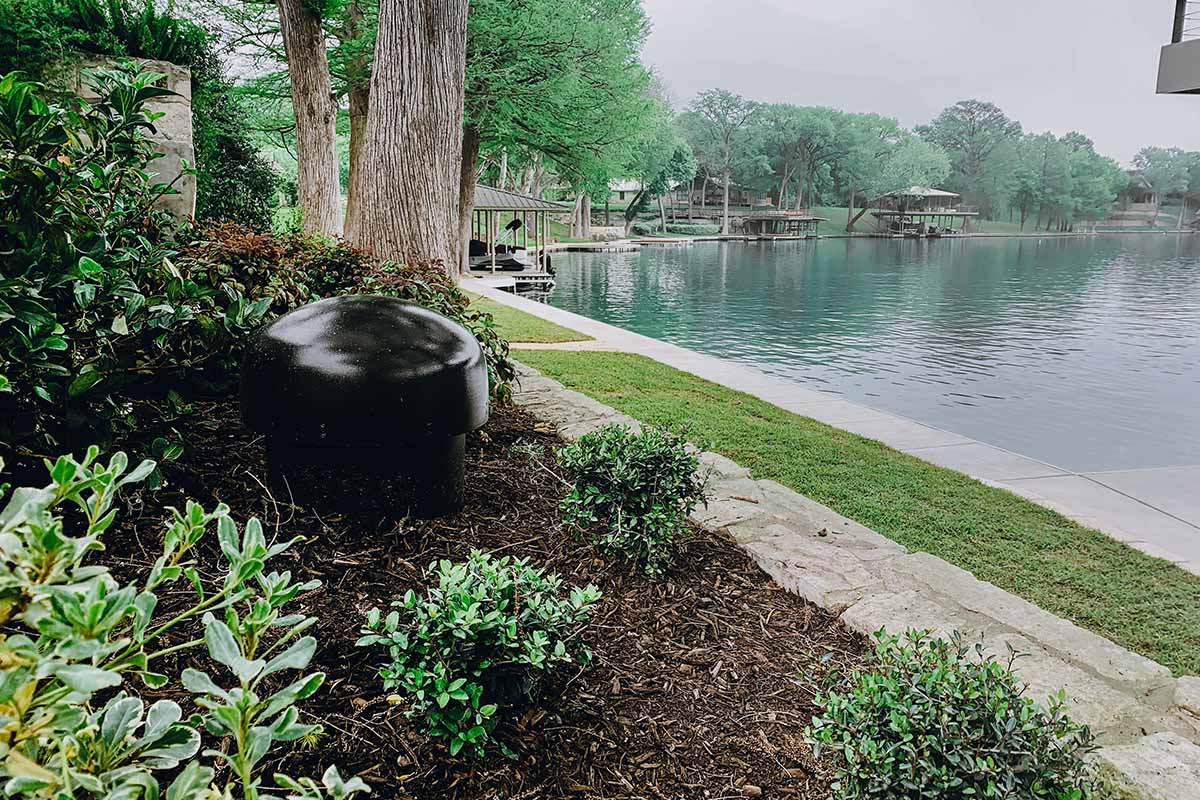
[558,78]
[980,140]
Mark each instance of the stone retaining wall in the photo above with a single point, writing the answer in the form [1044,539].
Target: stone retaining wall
[173,131]
[1145,719]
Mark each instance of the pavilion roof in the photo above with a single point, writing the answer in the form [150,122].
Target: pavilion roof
[920,191]
[488,198]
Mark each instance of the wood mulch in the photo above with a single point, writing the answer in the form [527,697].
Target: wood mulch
[701,686]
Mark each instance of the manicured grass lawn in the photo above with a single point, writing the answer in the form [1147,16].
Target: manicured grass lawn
[517,326]
[1144,604]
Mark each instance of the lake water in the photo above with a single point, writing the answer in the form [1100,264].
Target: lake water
[1084,353]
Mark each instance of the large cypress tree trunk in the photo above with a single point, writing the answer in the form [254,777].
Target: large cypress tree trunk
[316,117]
[359,104]
[360,94]
[412,167]
[467,179]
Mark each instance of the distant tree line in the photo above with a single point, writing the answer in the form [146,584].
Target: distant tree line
[814,155]
[395,109]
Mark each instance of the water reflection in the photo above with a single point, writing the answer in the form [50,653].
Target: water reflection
[1081,352]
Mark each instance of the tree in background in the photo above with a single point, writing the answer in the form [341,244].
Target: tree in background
[554,84]
[351,68]
[315,112]
[659,160]
[1095,180]
[912,161]
[980,140]
[1165,170]
[1064,179]
[870,139]
[706,152]
[722,117]
[796,144]
[412,157]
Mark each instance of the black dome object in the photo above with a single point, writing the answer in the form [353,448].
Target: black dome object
[367,389]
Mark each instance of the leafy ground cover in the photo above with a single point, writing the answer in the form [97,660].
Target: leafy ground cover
[1142,603]
[701,683]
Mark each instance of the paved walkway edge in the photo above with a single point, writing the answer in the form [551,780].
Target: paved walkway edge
[1147,722]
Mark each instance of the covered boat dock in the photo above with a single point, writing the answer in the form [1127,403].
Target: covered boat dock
[919,211]
[509,234]
[781,224]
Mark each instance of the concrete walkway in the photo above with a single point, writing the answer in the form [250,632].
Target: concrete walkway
[1156,511]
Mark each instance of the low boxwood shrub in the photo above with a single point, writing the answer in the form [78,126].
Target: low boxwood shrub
[480,640]
[78,645]
[631,492]
[929,718]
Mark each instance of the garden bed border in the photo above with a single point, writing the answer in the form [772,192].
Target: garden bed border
[1147,721]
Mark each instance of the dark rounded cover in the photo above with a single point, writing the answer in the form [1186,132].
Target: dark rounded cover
[363,370]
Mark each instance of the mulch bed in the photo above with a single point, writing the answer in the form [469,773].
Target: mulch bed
[701,685]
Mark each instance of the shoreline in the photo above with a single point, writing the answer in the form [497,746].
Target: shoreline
[633,244]
[1125,516]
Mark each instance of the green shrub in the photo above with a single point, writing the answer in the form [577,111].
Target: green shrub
[697,229]
[928,719]
[72,723]
[676,228]
[233,181]
[294,269]
[632,492]
[91,301]
[480,641]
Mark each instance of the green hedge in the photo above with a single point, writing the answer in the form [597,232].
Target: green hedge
[677,229]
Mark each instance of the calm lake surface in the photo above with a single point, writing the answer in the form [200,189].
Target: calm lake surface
[1084,353]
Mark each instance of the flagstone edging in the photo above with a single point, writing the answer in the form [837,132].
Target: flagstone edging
[1146,721]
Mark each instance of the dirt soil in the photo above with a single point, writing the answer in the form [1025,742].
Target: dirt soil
[701,686]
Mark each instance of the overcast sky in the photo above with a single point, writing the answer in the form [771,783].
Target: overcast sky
[1058,65]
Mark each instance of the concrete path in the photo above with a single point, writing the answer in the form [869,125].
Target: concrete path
[1156,511]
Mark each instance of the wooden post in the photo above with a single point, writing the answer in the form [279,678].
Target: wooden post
[539,219]
[492,236]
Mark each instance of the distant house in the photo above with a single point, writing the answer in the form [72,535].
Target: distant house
[710,193]
[623,190]
[1139,192]
[1137,204]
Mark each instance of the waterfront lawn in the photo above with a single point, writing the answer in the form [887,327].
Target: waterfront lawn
[517,326]
[1142,603]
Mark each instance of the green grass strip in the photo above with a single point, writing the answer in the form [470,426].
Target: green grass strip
[517,326]
[1142,603]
